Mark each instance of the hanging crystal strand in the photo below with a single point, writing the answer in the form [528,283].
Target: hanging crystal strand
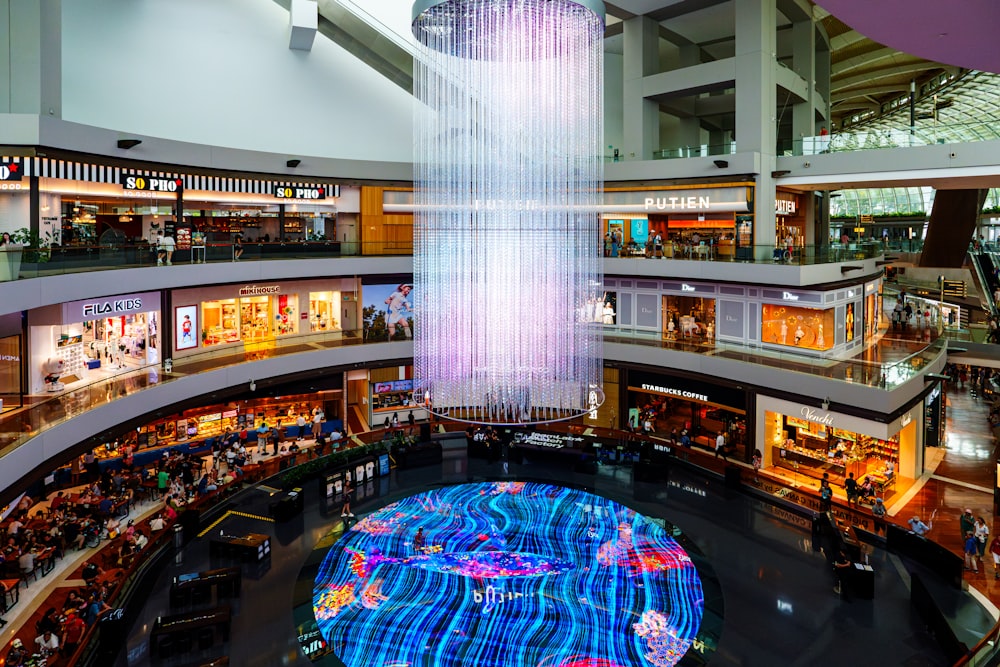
[508,126]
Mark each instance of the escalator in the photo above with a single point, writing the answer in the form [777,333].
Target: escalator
[348,26]
[984,273]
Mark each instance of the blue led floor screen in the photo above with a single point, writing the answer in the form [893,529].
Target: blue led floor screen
[518,574]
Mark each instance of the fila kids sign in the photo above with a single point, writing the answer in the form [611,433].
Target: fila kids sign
[152,183]
[298,192]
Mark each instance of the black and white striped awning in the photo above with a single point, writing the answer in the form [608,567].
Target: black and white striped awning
[98,173]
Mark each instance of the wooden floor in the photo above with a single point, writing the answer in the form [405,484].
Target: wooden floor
[964,479]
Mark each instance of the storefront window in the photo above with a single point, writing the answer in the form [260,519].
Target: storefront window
[811,449]
[689,318]
[287,317]
[795,326]
[255,318]
[10,372]
[221,323]
[324,308]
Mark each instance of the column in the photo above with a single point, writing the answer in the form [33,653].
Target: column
[31,63]
[804,64]
[641,116]
[755,100]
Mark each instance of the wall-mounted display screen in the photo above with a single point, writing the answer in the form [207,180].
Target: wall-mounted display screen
[517,575]
[186,321]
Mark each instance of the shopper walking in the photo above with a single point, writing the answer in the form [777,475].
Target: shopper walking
[995,550]
[982,532]
[966,523]
[851,489]
[878,515]
[971,551]
[348,492]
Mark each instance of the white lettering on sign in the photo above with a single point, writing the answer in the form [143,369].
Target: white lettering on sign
[9,357]
[492,596]
[788,296]
[552,440]
[905,420]
[151,183]
[259,290]
[11,186]
[593,402]
[785,206]
[687,288]
[730,318]
[810,414]
[850,293]
[678,203]
[683,393]
[285,192]
[111,307]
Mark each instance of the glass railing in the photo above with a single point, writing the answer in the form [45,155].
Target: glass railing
[699,150]
[20,262]
[886,376]
[877,138]
[19,426]
[769,254]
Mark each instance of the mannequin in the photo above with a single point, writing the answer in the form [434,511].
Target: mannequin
[117,355]
[53,369]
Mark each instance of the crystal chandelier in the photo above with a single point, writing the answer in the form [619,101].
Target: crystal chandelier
[508,175]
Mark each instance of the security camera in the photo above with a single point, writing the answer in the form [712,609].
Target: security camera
[253,386]
[953,155]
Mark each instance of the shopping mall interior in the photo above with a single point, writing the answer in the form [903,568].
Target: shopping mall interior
[218,439]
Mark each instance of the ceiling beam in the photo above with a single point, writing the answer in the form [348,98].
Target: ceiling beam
[862,59]
[884,73]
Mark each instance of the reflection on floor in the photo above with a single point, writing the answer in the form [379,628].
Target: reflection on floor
[779,606]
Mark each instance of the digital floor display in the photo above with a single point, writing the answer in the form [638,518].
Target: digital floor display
[507,573]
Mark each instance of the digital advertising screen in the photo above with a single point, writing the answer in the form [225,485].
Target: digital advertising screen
[519,574]
[186,323]
[387,311]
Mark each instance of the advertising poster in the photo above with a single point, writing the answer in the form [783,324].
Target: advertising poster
[186,321]
[388,311]
[640,231]
[609,313]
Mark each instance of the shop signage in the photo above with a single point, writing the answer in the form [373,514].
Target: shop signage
[687,288]
[593,402]
[117,306]
[810,414]
[785,206]
[10,171]
[10,357]
[672,391]
[905,420]
[152,183]
[296,192]
[788,296]
[260,290]
[850,294]
[696,203]
[93,309]
[550,440]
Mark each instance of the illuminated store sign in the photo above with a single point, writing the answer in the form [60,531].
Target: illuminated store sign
[785,206]
[116,307]
[683,393]
[12,186]
[697,203]
[788,296]
[260,290]
[905,420]
[298,192]
[687,288]
[152,183]
[812,415]
[9,171]
[550,440]
[125,304]
[10,357]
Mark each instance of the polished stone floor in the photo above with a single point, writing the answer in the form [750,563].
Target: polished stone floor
[779,606]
